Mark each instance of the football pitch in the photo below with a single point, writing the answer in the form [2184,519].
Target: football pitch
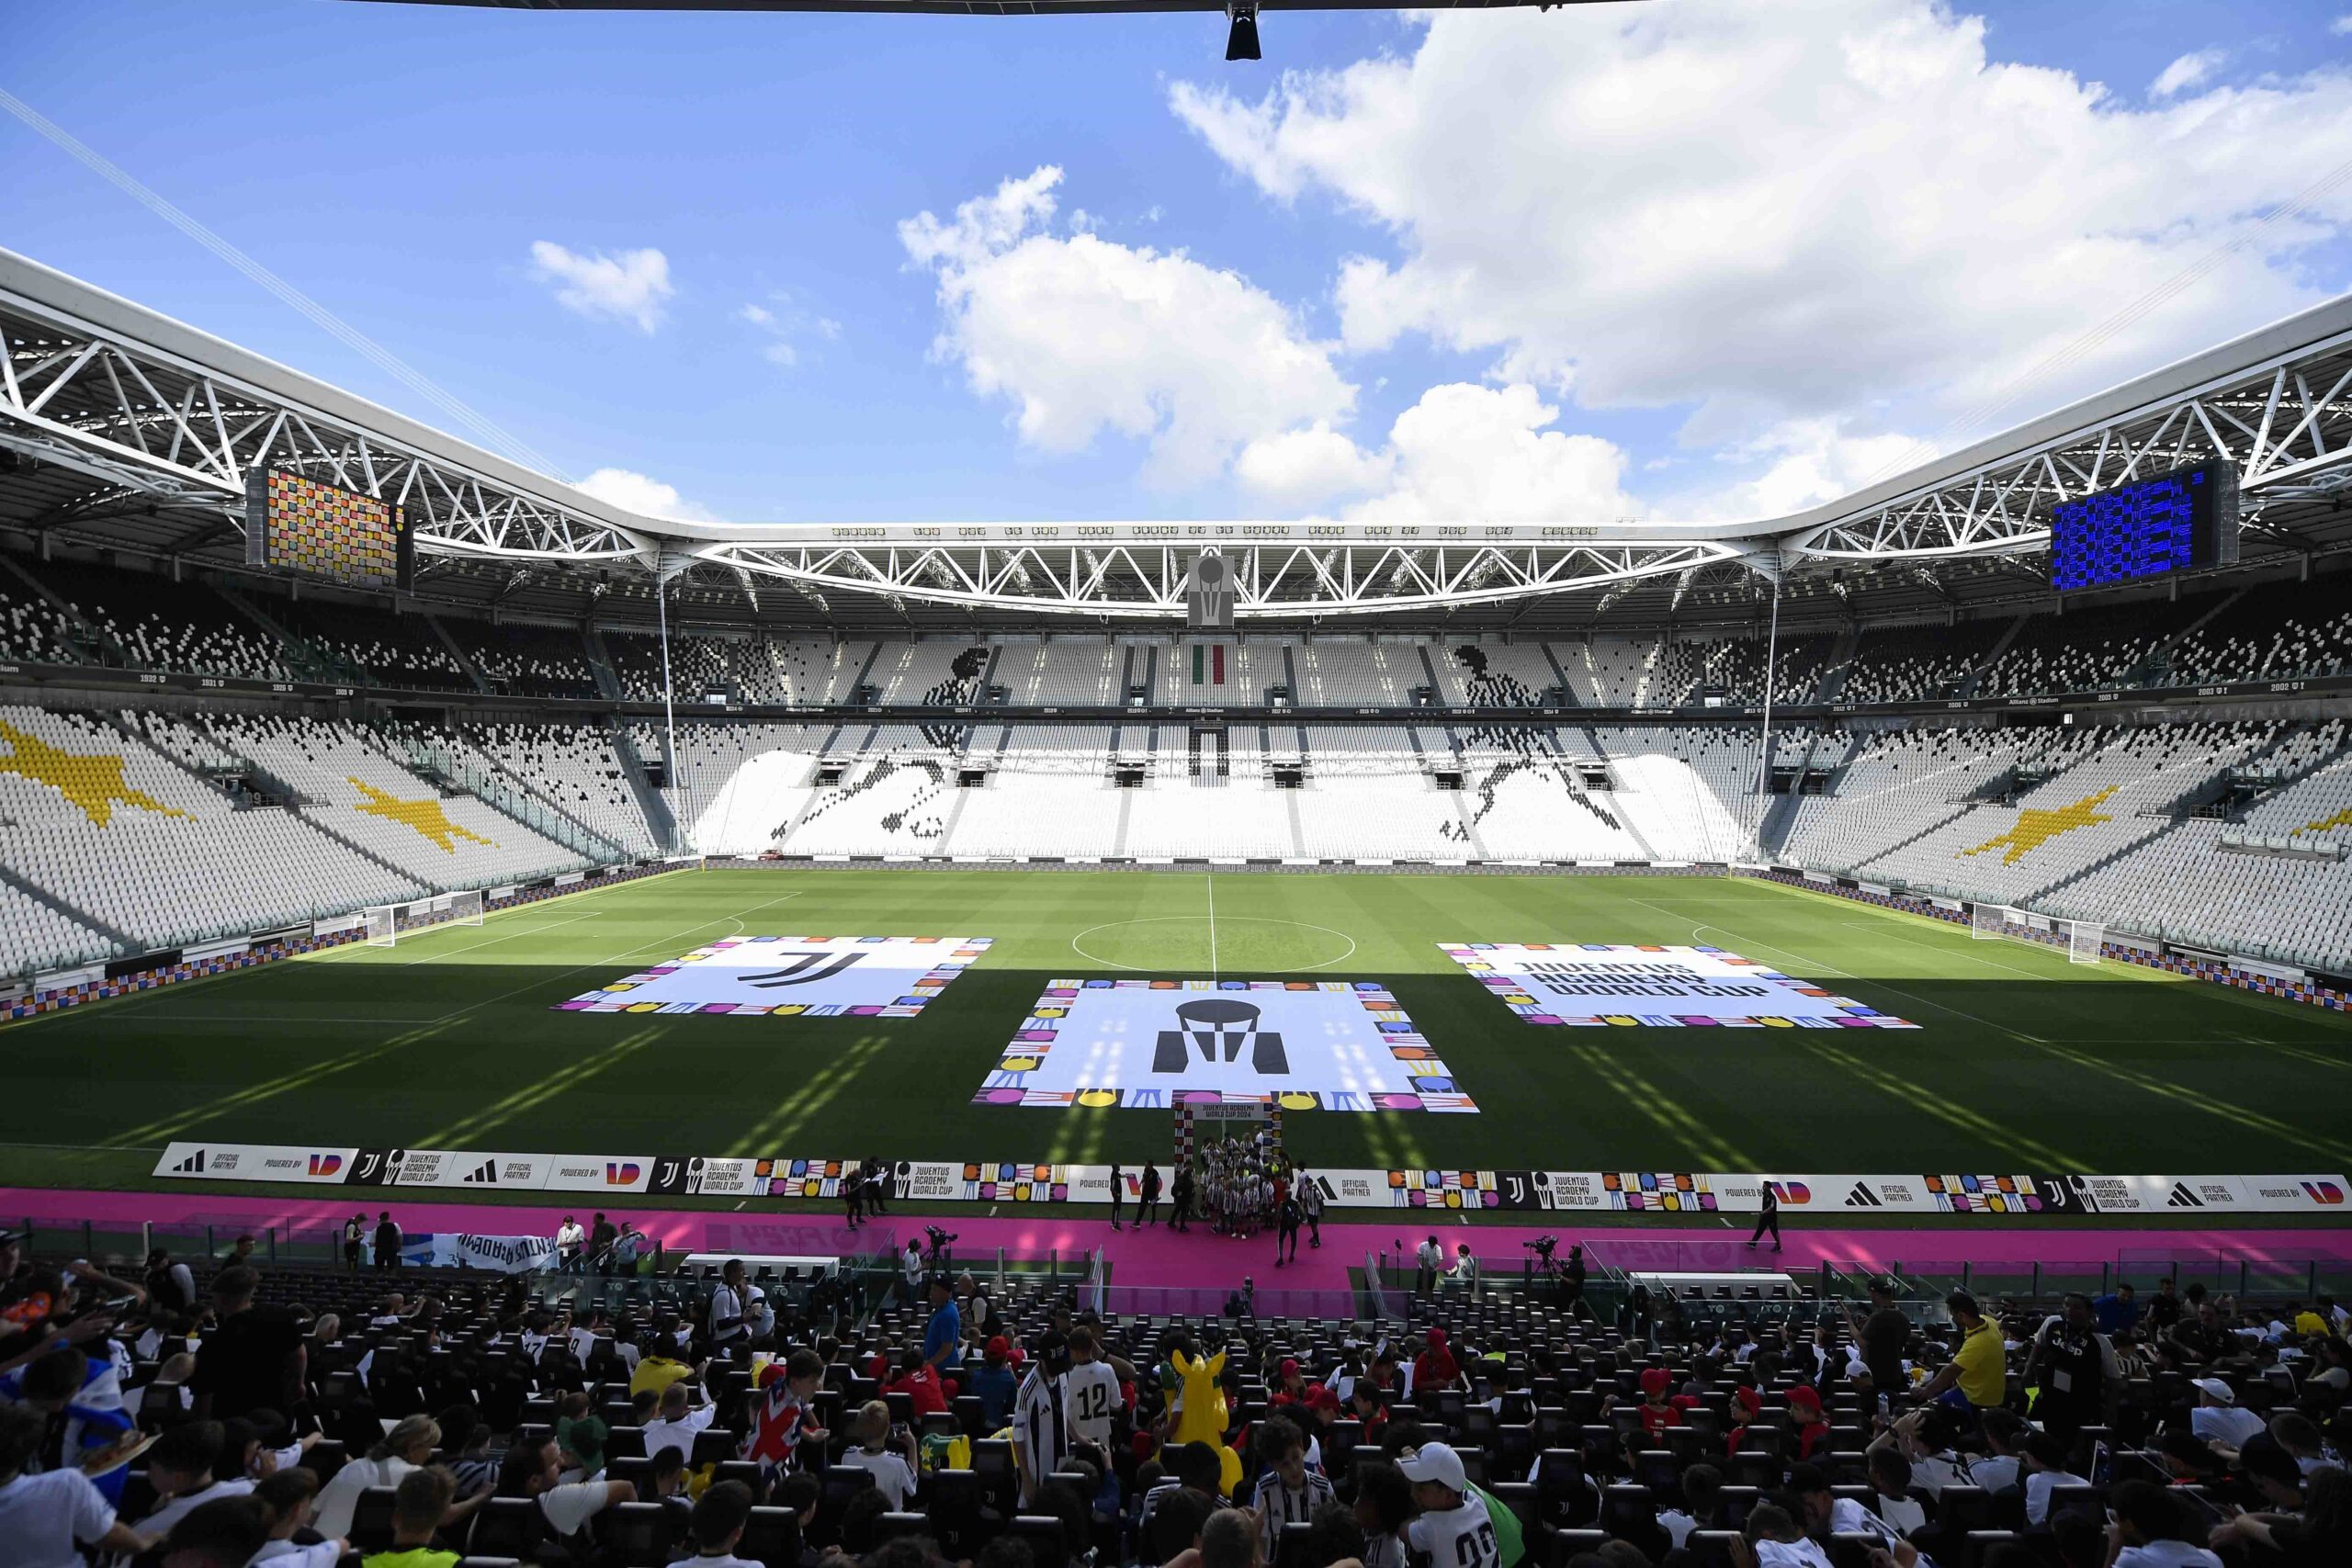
[459,1038]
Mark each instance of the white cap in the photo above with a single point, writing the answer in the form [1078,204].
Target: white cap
[2215,1390]
[1437,1463]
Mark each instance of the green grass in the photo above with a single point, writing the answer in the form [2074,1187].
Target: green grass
[2023,1063]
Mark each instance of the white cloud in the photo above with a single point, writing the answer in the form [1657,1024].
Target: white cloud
[638,492]
[1806,463]
[1766,214]
[1298,470]
[1464,452]
[2341,27]
[628,286]
[781,328]
[1081,334]
[2186,73]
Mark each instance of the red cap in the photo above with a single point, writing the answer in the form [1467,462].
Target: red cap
[772,1374]
[1748,1399]
[1806,1396]
[1656,1381]
[999,1346]
[1288,1370]
[1322,1398]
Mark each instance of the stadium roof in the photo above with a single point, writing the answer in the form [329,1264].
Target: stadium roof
[131,430]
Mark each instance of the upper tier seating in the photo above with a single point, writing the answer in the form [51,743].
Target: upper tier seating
[525,660]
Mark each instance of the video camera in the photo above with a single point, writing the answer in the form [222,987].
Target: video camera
[940,1240]
[1542,1246]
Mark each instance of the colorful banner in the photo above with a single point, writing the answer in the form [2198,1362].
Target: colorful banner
[1302,1044]
[795,977]
[2015,1195]
[1601,985]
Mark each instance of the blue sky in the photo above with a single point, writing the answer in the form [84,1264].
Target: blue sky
[1694,258]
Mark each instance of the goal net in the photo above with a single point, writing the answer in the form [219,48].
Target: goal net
[2081,939]
[386,923]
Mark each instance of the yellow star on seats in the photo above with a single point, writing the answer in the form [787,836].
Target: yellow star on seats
[425,816]
[2034,829]
[93,783]
[2341,820]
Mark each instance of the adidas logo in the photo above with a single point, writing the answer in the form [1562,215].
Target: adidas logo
[2182,1198]
[1861,1197]
[486,1173]
[192,1166]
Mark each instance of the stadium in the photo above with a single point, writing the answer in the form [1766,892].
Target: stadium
[1683,980]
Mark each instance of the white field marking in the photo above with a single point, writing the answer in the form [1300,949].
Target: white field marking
[1245,919]
[1212,882]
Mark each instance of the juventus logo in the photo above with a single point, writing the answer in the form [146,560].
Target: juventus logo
[800,973]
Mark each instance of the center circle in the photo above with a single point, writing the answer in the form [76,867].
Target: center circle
[1244,946]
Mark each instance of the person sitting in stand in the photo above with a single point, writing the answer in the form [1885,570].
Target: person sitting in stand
[1806,1422]
[1747,1404]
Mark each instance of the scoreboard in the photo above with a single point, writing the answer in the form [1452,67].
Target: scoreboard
[300,524]
[2186,520]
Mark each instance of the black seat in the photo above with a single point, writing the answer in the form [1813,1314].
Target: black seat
[371,1520]
[639,1533]
[508,1526]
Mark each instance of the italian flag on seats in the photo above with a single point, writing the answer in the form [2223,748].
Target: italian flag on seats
[1209,664]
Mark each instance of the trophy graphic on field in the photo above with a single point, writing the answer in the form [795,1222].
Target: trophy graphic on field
[1219,1026]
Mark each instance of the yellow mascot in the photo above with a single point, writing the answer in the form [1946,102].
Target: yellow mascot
[1202,1419]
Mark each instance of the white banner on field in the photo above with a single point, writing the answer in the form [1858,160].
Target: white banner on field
[1596,985]
[795,977]
[1303,1044]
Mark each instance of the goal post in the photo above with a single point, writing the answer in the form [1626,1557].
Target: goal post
[386,923]
[2081,939]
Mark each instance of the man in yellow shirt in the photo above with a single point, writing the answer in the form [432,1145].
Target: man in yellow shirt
[418,1505]
[2308,1323]
[657,1368]
[1979,1368]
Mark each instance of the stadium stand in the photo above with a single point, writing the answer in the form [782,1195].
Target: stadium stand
[524,660]
[2119,822]
[352,642]
[1598,1423]
[350,786]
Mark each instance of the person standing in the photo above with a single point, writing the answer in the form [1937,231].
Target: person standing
[387,1242]
[1287,1219]
[253,1360]
[1427,1258]
[354,1236]
[602,1234]
[1179,1198]
[1040,1416]
[1311,1202]
[2074,1366]
[853,1187]
[568,1239]
[1768,1218]
[1118,1193]
[1147,1197]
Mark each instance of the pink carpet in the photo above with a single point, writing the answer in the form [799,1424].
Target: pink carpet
[1203,1261]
